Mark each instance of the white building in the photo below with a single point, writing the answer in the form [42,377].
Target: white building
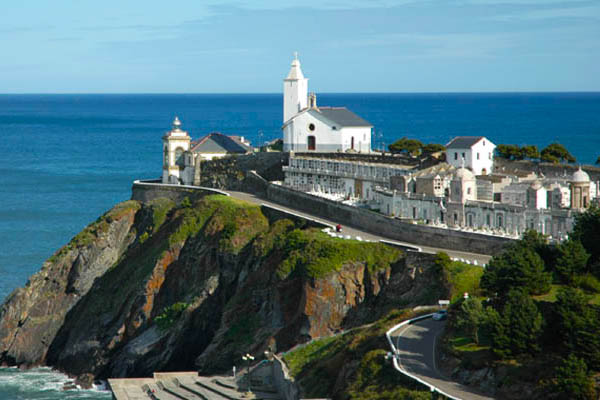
[307,127]
[345,178]
[476,151]
[177,159]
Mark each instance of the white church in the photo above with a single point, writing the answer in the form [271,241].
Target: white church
[308,128]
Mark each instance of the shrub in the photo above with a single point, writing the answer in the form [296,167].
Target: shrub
[572,381]
[587,282]
[170,315]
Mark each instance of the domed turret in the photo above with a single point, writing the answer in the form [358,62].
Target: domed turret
[580,176]
[464,174]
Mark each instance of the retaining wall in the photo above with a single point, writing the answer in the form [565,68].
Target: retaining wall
[381,225]
[145,191]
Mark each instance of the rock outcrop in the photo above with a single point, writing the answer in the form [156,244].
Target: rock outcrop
[156,286]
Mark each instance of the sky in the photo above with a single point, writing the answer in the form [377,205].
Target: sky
[246,46]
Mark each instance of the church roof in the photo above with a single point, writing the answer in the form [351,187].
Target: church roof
[463,142]
[341,116]
[218,143]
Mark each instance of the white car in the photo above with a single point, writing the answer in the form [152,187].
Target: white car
[440,315]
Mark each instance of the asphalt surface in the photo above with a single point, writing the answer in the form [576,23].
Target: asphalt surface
[416,350]
[352,231]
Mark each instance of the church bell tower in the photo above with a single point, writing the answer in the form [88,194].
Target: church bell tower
[295,91]
[175,144]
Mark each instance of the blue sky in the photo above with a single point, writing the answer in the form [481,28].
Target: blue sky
[192,46]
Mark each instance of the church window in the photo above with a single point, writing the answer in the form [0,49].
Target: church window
[179,157]
[312,142]
[463,155]
[468,190]
[478,155]
[455,155]
[352,143]
[334,128]
[311,127]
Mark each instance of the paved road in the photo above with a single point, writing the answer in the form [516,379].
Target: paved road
[416,349]
[347,230]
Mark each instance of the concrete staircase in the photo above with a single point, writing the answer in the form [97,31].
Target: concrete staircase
[189,386]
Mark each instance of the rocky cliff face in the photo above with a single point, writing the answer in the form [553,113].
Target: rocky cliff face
[162,287]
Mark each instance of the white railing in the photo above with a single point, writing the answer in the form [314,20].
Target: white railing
[175,185]
[396,356]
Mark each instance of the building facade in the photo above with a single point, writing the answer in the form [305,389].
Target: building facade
[476,152]
[307,127]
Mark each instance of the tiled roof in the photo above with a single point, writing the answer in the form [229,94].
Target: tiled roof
[341,116]
[219,143]
[463,142]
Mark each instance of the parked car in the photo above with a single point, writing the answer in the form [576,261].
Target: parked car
[440,315]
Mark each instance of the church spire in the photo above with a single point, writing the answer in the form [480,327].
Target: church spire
[295,71]
[295,91]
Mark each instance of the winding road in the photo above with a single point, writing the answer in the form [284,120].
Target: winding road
[416,344]
[481,259]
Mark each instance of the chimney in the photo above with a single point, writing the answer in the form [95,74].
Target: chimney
[312,100]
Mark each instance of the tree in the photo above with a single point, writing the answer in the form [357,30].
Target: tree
[405,145]
[555,153]
[508,151]
[598,160]
[471,317]
[530,152]
[577,324]
[518,328]
[539,243]
[571,261]
[572,380]
[587,231]
[433,148]
[517,267]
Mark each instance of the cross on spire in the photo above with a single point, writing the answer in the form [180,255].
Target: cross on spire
[295,55]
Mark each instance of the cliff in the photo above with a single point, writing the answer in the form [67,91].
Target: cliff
[159,286]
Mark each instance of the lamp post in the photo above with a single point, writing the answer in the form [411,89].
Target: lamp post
[248,358]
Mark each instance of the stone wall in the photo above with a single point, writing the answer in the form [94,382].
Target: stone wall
[145,191]
[381,225]
[550,170]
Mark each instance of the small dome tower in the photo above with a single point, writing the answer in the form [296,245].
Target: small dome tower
[175,143]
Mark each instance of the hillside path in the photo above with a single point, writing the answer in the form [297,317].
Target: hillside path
[354,231]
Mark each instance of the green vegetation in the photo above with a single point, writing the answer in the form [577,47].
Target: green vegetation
[311,253]
[160,210]
[462,277]
[521,267]
[514,152]
[170,315]
[542,317]
[471,317]
[556,153]
[414,147]
[242,332]
[573,381]
[317,365]
[237,222]
[93,230]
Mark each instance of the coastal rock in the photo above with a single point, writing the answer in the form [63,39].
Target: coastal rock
[163,287]
[31,316]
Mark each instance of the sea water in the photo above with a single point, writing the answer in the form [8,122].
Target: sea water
[66,159]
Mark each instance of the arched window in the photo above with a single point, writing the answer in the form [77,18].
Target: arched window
[179,157]
[499,219]
[312,143]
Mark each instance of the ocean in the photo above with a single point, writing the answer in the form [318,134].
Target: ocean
[66,159]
